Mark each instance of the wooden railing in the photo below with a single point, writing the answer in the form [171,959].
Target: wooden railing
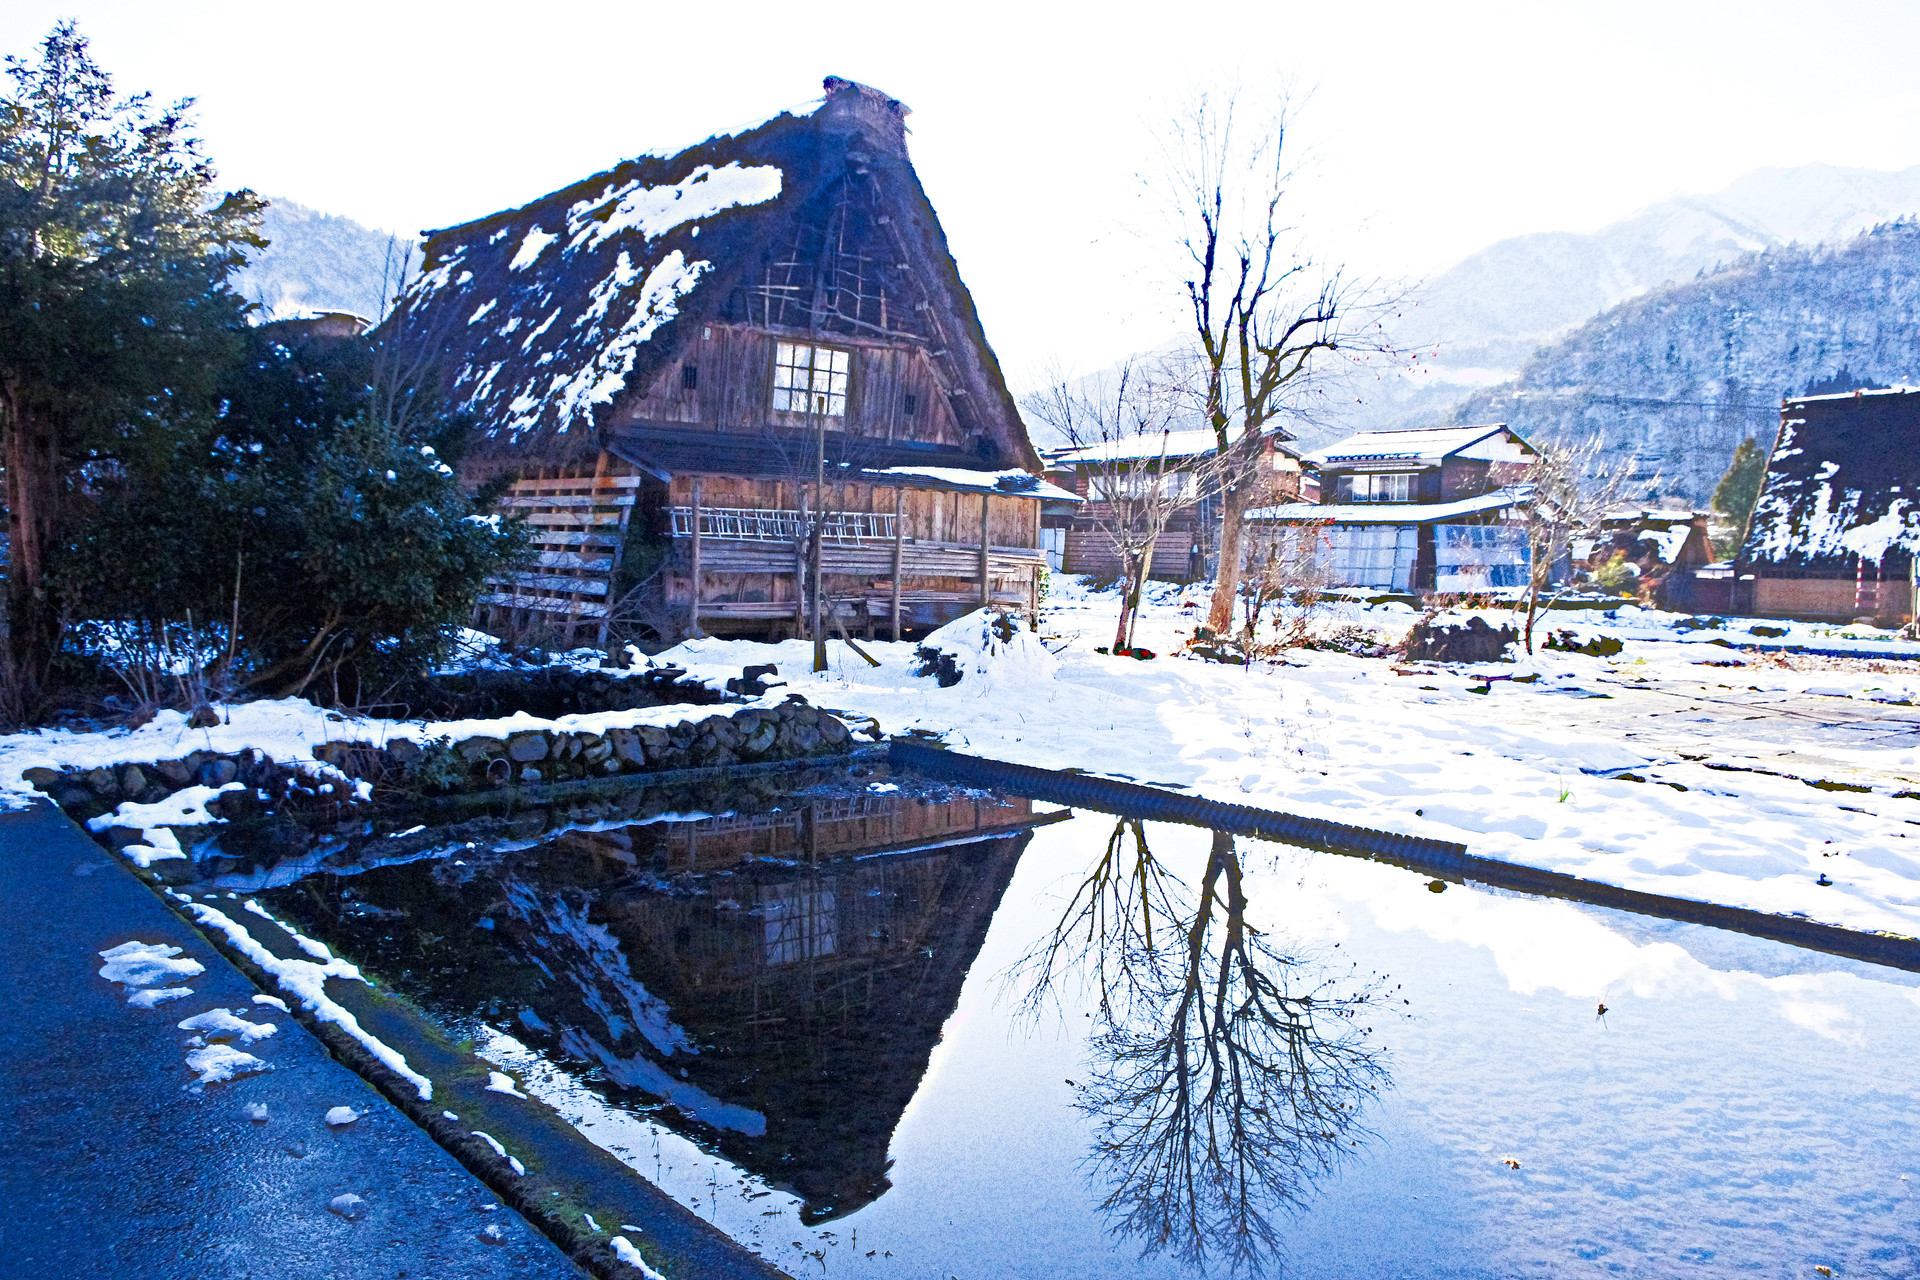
[750,524]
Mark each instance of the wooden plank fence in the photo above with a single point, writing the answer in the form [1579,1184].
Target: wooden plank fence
[579,523]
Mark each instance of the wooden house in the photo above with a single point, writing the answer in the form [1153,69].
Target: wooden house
[1434,510]
[1188,549]
[1837,524]
[690,363]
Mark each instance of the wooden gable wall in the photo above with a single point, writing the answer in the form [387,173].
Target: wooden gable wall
[733,388]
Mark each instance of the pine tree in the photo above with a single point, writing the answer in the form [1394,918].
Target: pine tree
[1739,488]
[114,256]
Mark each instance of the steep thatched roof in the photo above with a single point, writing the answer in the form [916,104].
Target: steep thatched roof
[1843,483]
[541,320]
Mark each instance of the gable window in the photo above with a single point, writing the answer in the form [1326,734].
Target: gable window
[689,377]
[810,379]
[1393,487]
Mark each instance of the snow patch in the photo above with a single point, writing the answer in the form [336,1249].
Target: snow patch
[631,1256]
[988,643]
[306,981]
[500,1151]
[219,1063]
[186,807]
[501,1082]
[654,211]
[145,964]
[532,245]
[224,1024]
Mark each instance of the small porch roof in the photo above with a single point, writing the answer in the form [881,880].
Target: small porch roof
[1391,512]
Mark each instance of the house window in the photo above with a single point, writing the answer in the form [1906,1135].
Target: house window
[1140,483]
[810,379]
[1394,487]
[689,377]
[910,406]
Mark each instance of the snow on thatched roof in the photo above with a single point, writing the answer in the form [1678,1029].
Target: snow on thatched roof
[539,319]
[1843,482]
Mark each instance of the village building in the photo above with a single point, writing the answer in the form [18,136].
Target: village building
[691,364]
[1187,551]
[1434,510]
[1664,546]
[1834,532]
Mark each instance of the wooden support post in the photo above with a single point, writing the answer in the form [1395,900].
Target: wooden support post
[986,583]
[693,609]
[899,549]
[800,588]
[1033,597]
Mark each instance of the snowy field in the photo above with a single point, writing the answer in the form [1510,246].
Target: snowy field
[1676,766]
[1660,768]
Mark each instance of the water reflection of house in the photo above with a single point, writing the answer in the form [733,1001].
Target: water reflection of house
[1430,510]
[799,965]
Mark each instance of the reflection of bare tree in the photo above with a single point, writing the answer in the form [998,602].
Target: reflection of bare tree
[1228,1074]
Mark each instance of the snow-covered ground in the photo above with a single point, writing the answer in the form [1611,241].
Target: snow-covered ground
[1676,766]
[1724,810]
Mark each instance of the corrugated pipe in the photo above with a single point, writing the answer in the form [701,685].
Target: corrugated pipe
[1439,858]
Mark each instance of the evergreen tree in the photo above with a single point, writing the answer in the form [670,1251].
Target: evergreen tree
[114,309]
[1739,488]
[321,546]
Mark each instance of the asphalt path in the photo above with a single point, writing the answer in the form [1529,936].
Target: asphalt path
[118,1163]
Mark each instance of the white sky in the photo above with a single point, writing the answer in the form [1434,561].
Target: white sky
[1435,128]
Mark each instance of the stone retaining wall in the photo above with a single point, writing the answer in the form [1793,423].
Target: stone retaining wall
[343,772]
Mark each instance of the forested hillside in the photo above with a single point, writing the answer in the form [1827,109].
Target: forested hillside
[1677,377]
[322,262]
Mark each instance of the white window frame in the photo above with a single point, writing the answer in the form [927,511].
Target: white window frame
[1380,486]
[810,379]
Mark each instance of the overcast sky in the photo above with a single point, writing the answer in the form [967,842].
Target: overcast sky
[1430,129]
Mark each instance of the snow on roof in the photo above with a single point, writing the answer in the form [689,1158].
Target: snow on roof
[1854,395]
[1843,483]
[1014,482]
[1668,542]
[538,319]
[1170,444]
[1391,512]
[545,309]
[1428,445]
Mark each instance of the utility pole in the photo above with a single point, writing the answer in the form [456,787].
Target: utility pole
[818,550]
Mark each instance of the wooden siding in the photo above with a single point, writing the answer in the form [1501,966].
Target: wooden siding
[734,388]
[1091,550]
[749,583]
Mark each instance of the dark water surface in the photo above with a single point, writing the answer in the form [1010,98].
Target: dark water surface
[974,1036]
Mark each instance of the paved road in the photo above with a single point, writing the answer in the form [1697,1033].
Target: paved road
[113,1166]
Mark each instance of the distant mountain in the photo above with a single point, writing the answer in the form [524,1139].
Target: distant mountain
[322,262]
[1684,372]
[1491,312]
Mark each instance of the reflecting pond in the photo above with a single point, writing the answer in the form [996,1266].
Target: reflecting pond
[871,1024]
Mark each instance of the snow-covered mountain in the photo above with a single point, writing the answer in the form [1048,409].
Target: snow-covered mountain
[322,262]
[1491,312]
[1674,379]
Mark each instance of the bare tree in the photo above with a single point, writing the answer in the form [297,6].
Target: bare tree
[1266,317]
[1285,567]
[1227,1073]
[1136,484]
[1573,487]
